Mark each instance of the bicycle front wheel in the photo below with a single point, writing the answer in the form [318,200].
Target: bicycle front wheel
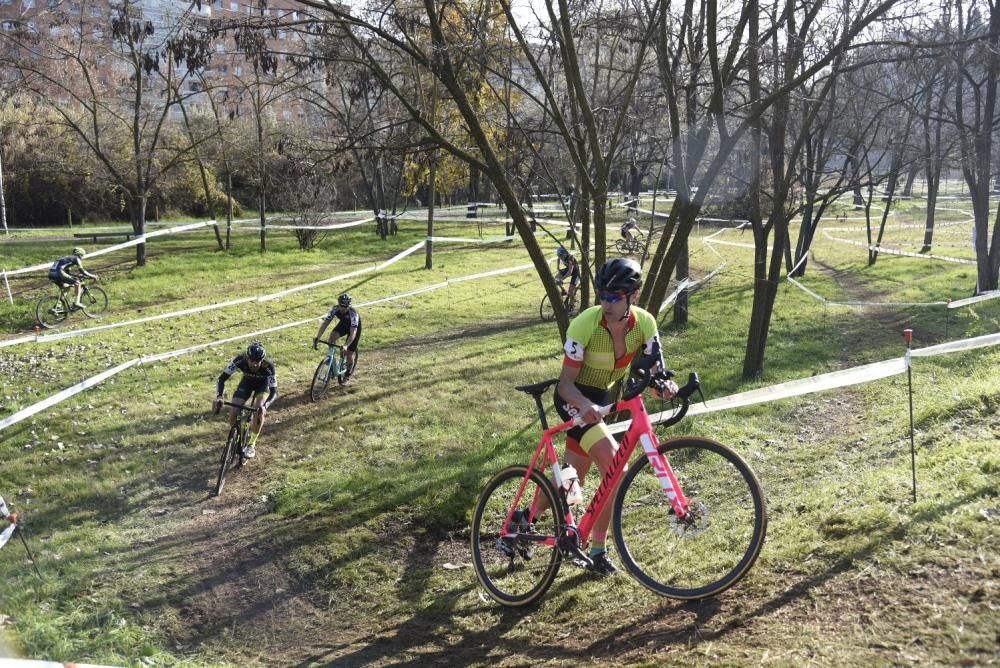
[623,247]
[95,301]
[711,549]
[50,311]
[518,569]
[545,310]
[228,455]
[320,380]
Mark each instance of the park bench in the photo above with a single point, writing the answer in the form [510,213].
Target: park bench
[127,236]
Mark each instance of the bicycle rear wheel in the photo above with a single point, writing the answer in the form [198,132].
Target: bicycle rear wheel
[713,548]
[95,301]
[228,455]
[515,570]
[321,379]
[50,311]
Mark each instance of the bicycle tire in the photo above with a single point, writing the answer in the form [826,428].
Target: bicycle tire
[95,301]
[50,311]
[545,310]
[505,564]
[720,542]
[622,246]
[320,381]
[227,456]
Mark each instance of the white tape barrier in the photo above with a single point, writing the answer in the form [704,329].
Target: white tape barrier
[249,227]
[94,380]
[827,381]
[992,294]
[889,251]
[25,413]
[111,249]
[42,338]
[28,663]
[9,531]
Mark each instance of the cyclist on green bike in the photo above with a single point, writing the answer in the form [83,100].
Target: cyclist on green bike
[567,266]
[258,375]
[60,275]
[348,324]
[601,343]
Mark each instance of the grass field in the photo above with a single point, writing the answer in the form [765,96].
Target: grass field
[346,541]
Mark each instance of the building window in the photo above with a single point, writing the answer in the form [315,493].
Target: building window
[28,4]
[74,7]
[219,48]
[6,2]
[218,4]
[234,6]
[267,11]
[223,69]
[96,12]
[281,34]
[98,33]
[54,3]
[237,70]
[10,25]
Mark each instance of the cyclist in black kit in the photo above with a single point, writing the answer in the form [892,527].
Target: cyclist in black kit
[59,274]
[348,324]
[258,374]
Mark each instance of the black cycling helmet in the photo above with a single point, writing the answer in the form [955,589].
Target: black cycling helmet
[619,275]
[561,251]
[255,351]
[344,300]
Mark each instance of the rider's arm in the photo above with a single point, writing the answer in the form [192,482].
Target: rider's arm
[355,322]
[220,385]
[325,324]
[272,388]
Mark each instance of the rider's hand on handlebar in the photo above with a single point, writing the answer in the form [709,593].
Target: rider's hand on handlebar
[316,343]
[217,404]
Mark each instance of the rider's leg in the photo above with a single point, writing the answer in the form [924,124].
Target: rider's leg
[258,422]
[79,293]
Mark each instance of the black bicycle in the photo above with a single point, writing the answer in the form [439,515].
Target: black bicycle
[239,437]
[51,310]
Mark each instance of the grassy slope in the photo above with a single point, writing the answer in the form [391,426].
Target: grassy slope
[333,545]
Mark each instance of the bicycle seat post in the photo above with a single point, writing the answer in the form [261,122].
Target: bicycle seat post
[541,411]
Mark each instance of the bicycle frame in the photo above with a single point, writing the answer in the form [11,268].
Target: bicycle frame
[335,353]
[639,432]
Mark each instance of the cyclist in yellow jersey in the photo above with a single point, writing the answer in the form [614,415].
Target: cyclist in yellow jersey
[600,345]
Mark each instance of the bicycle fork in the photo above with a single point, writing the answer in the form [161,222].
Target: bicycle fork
[665,475]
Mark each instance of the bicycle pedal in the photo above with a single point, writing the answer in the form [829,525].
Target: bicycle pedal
[586,563]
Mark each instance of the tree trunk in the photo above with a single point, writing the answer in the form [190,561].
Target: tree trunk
[911,176]
[229,205]
[473,210]
[429,261]
[139,227]
[681,304]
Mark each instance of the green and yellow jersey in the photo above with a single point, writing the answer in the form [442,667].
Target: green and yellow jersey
[590,347]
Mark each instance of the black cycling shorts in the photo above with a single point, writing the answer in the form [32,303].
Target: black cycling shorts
[60,280]
[249,387]
[577,438]
[343,328]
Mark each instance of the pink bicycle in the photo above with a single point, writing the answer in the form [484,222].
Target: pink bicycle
[687,528]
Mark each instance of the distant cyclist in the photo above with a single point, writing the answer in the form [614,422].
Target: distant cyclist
[627,227]
[567,266]
[258,375]
[348,324]
[60,275]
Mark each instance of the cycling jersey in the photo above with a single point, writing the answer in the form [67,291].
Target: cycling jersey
[590,347]
[569,267]
[58,273]
[254,380]
[350,317]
